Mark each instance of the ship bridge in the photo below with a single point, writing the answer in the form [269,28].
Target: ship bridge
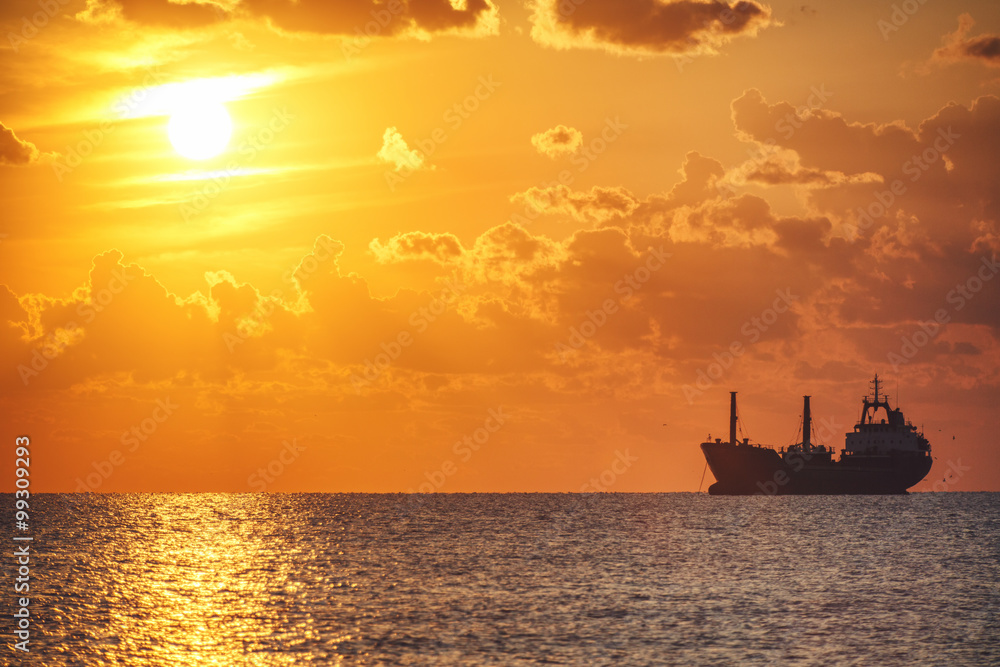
[892,433]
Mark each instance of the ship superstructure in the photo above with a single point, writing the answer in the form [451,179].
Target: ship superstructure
[892,434]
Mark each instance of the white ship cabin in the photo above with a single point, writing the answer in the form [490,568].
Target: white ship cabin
[881,437]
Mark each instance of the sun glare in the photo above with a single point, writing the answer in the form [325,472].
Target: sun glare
[199,130]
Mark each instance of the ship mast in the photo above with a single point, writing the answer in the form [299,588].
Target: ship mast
[873,403]
[732,418]
[806,425]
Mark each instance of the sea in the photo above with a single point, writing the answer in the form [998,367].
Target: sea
[506,579]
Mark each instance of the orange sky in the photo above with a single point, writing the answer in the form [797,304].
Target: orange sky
[492,246]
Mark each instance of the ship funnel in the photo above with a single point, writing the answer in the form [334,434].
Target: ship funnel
[806,424]
[732,418]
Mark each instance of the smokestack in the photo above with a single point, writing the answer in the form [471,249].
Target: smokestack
[732,418]
[806,424]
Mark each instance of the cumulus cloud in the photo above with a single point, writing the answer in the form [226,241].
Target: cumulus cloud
[232,351]
[15,151]
[959,46]
[822,138]
[645,27]
[558,141]
[917,204]
[394,151]
[941,168]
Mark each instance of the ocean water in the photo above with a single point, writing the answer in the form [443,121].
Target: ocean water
[508,579]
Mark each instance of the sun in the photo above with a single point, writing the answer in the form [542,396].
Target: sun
[199,129]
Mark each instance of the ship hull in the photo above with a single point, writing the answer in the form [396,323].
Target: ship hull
[743,469]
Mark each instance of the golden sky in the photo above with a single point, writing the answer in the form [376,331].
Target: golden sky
[489,246]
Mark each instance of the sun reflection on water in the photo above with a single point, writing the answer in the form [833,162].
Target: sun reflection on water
[198,587]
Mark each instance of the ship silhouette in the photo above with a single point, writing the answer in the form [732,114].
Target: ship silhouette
[887,456]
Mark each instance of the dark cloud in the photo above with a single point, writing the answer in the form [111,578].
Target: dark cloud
[645,26]
[341,17]
[776,174]
[14,151]
[959,46]
[169,14]
[824,139]
[913,251]
[780,173]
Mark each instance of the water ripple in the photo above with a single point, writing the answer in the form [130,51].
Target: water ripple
[680,579]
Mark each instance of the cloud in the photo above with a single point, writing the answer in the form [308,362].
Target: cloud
[907,249]
[502,255]
[417,245]
[558,141]
[904,261]
[370,18]
[597,205]
[821,138]
[645,27]
[776,172]
[233,352]
[162,13]
[16,152]
[395,151]
[959,46]
[700,177]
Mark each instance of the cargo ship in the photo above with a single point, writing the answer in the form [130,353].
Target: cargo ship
[886,455]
